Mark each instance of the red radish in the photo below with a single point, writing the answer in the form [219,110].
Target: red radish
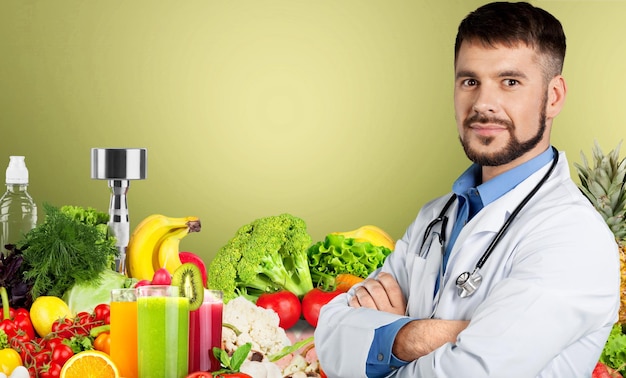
[162,277]
[143,283]
[191,257]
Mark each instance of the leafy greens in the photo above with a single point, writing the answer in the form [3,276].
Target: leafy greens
[63,251]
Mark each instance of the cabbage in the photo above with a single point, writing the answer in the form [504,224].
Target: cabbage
[87,295]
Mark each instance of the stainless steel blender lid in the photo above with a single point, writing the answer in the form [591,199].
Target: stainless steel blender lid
[118,163]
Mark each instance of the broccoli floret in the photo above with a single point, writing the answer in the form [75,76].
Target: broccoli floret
[267,255]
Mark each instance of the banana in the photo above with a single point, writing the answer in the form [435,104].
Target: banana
[166,245]
[144,240]
[168,249]
[372,234]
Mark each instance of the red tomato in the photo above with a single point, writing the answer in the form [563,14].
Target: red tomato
[63,328]
[53,342]
[200,374]
[52,371]
[42,358]
[285,303]
[61,353]
[143,283]
[102,312]
[313,302]
[204,374]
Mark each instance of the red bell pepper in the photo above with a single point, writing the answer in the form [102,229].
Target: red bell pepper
[15,321]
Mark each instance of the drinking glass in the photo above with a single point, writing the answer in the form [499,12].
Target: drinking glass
[124,331]
[162,332]
[205,332]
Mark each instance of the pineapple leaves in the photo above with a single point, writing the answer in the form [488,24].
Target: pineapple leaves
[604,184]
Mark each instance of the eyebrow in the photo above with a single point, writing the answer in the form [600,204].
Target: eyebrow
[509,73]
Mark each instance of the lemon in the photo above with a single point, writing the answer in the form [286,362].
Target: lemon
[45,311]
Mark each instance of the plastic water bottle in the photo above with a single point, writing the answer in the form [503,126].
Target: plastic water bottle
[18,212]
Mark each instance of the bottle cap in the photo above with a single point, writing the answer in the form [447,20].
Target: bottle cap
[17,173]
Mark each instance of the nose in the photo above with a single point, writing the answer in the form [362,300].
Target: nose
[485,102]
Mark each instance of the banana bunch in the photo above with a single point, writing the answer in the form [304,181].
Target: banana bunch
[155,243]
[372,234]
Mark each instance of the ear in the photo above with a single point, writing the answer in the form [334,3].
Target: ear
[557,90]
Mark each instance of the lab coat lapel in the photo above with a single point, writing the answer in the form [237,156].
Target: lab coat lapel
[424,272]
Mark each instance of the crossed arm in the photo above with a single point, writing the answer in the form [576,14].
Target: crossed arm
[418,337]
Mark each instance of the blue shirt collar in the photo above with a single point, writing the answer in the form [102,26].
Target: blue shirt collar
[501,184]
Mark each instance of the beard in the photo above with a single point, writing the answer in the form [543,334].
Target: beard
[514,148]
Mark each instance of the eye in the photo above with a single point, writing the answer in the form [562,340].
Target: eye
[510,82]
[469,82]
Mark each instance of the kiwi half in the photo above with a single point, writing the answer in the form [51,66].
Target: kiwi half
[188,278]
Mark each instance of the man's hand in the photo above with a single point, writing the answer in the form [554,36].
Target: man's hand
[418,337]
[382,293]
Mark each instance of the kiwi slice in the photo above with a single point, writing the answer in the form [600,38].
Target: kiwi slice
[188,278]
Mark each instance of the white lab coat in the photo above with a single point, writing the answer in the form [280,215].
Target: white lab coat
[549,296]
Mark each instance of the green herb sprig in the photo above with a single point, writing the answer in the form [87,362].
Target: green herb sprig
[231,364]
[63,251]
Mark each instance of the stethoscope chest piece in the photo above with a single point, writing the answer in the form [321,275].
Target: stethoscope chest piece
[467,283]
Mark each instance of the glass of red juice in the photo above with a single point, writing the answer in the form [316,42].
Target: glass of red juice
[205,332]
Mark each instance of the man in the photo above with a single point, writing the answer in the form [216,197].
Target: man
[541,300]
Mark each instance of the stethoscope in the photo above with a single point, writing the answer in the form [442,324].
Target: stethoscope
[467,282]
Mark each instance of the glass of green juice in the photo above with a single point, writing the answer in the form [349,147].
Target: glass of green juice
[162,332]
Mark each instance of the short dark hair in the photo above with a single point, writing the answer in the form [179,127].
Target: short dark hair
[509,24]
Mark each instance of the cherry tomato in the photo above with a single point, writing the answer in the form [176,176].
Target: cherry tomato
[62,328]
[61,353]
[19,339]
[51,371]
[82,317]
[53,342]
[313,302]
[27,351]
[285,303]
[102,312]
[42,358]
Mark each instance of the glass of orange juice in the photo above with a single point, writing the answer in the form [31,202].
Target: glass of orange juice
[124,331]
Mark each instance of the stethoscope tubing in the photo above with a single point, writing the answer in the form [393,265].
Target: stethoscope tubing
[503,229]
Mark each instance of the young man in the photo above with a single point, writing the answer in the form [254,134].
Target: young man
[514,274]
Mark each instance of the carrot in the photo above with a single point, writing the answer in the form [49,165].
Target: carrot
[345,281]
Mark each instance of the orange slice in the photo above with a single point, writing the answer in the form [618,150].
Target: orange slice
[90,364]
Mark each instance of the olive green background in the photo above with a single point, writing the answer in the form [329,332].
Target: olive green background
[339,112]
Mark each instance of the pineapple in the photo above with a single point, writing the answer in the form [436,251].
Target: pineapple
[604,183]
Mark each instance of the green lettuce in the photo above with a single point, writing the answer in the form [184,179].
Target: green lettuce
[614,352]
[86,296]
[337,254]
